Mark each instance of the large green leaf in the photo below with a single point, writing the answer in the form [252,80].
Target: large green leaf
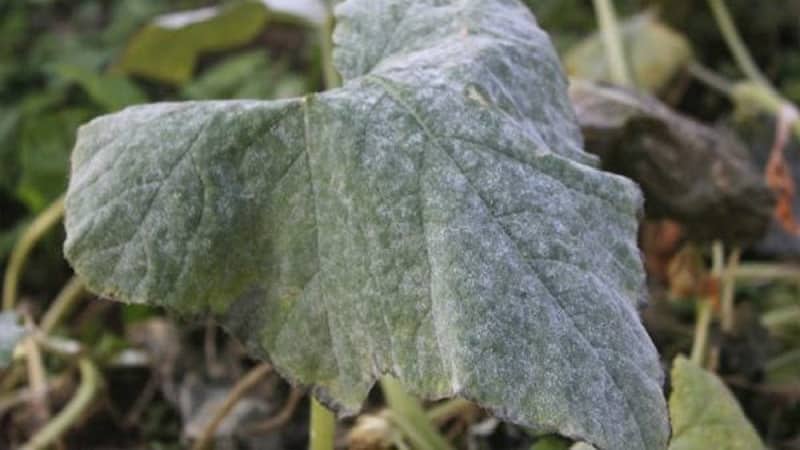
[705,414]
[435,219]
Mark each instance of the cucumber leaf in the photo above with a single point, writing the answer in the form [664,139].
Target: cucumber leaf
[705,414]
[435,219]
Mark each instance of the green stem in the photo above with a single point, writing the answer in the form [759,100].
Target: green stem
[612,41]
[727,317]
[331,76]
[710,79]
[62,304]
[785,361]
[767,272]
[717,259]
[704,307]
[735,43]
[53,430]
[408,414]
[37,375]
[758,92]
[776,319]
[702,323]
[40,225]
[449,409]
[323,425]
[763,98]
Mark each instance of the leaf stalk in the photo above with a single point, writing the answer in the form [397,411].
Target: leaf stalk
[19,255]
[323,425]
[612,41]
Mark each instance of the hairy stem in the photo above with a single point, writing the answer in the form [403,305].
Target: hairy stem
[612,41]
[40,225]
[323,425]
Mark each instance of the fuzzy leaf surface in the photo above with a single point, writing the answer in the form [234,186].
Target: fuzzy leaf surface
[435,219]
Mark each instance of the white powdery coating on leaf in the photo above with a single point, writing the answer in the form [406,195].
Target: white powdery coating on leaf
[435,218]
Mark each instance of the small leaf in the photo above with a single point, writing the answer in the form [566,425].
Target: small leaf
[656,53]
[705,414]
[11,332]
[434,219]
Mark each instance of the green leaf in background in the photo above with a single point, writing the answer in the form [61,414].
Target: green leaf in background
[44,147]
[126,17]
[9,237]
[109,91]
[247,75]
[53,49]
[11,332]
[434,219]
[705,414]
[13,29]
[9,118]
[656,52]
[168,47]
